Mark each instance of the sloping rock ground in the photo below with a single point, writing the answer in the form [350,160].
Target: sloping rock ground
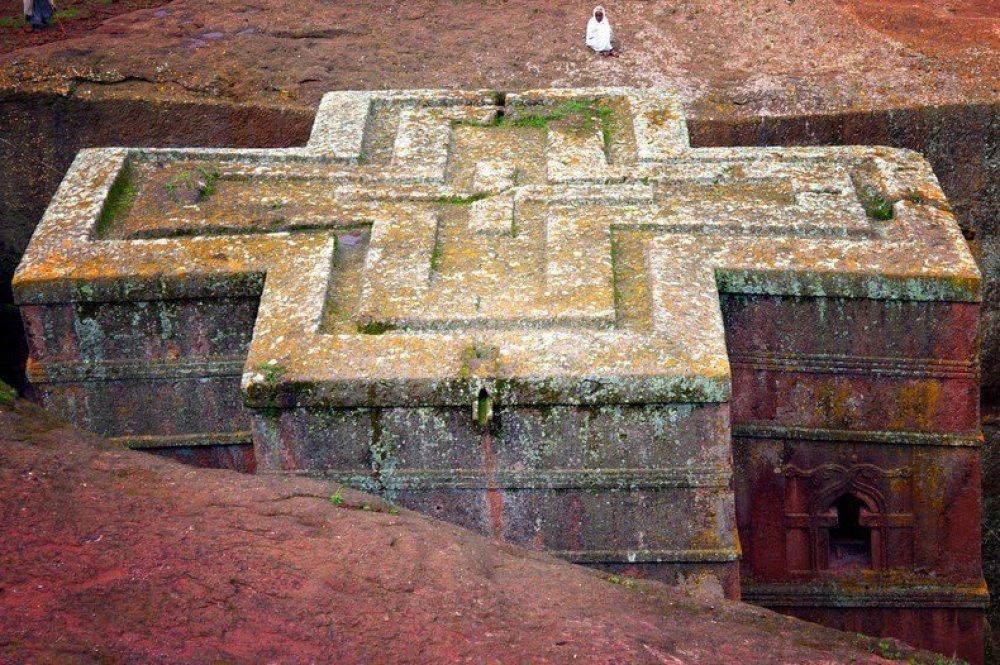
[114,556]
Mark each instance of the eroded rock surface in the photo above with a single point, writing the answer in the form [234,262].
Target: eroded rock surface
[115,556]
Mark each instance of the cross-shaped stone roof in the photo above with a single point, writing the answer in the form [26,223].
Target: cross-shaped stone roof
[554,246]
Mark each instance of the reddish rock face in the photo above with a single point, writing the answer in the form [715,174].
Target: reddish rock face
[856,442]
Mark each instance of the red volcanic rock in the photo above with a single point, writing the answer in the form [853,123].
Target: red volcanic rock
[115,556]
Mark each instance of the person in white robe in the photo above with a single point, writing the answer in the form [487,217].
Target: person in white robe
[599,34]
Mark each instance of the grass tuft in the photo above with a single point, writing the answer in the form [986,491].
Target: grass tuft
[13,22]
[460,200]
[375,328]
[583,111]
[121,198]
[72,13]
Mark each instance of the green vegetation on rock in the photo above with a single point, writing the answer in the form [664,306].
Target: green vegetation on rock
[72,13]
[13,22]
[875,204]
[121,198]
[198,183]
[375,328]
[7,394]
[460,200]
[581,114]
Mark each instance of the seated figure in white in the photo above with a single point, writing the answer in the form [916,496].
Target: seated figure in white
[599,33]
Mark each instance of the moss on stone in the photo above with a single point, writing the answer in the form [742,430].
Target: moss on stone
[461,200]
[121,198]
[375,327]
[7,393]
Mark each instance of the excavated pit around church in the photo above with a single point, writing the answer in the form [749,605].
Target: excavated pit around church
[48,130]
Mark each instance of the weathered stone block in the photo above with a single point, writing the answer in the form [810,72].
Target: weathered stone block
[610,484]
[535,315]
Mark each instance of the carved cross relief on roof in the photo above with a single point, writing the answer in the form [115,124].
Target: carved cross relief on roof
[555,246]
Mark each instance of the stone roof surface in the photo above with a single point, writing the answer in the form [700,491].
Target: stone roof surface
[557,246]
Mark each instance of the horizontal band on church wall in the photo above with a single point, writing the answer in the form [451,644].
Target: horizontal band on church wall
[790,595]
[838,364]
[678,556]
[143,441]
[770,431]
[544,479]
[123,370]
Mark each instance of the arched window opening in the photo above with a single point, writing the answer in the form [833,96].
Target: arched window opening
[850,541]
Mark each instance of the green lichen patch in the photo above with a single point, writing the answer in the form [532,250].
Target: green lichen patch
[272,373]
[476,357]
[461,200]
[375,327]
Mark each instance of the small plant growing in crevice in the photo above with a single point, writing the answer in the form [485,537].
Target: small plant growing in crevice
[875,204]
[193,185]
[885,649]
[436,254]
[7,394]
[879,208]
[272,373]
[475,356]
[375,327]
[460,200]
[626,582]
[337,499]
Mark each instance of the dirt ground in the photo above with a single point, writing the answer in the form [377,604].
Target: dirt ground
[796,54]
[73,19]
